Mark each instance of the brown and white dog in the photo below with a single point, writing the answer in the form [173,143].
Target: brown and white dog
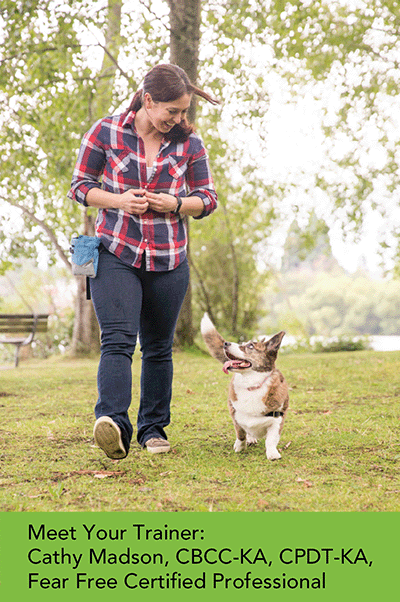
[258,393]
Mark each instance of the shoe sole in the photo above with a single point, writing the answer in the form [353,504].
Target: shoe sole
[158,450]
[107,436]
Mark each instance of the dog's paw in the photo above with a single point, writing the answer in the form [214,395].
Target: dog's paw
[251,440]
[239,445]
[273,454]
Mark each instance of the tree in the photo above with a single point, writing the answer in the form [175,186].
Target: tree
[348,53]
[184,17]
[52,92]
[85,337]
[50,95]
[58,62]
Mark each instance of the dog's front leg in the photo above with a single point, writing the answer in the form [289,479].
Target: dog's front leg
[240,443]
[272,440]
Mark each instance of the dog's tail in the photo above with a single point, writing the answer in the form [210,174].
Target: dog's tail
[212,338]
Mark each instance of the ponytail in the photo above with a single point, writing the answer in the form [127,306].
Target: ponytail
[137,101]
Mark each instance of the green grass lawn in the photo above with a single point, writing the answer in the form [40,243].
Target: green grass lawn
[340,445]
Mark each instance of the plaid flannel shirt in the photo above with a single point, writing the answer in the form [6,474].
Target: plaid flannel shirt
[112,157]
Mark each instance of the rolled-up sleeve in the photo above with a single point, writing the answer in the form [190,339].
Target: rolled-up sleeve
[89,166]
[199,180]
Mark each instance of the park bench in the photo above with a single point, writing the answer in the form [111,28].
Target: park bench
[20,329]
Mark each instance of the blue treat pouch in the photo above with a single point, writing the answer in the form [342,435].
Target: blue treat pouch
[85,255]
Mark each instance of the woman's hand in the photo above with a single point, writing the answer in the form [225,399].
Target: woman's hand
[133,201]
[137,201]
[161,202]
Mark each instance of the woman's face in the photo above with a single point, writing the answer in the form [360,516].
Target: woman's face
[164,115]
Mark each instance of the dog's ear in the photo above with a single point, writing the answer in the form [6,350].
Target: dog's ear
[272,346]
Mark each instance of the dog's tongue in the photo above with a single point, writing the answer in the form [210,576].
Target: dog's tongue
[232,364]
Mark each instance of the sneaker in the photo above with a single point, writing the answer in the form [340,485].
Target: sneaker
[156,445]
[107,436]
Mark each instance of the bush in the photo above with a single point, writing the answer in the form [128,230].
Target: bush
[325,345]
[341,344]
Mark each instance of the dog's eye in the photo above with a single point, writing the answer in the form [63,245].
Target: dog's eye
[250,346]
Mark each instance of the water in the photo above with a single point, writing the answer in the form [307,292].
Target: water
[377,342]
[385,343]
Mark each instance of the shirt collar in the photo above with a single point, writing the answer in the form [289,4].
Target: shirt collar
[129,120]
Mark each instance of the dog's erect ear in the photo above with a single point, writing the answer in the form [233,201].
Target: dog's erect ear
[274,343]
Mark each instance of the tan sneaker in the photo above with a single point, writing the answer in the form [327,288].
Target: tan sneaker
[107,436]
[156,445]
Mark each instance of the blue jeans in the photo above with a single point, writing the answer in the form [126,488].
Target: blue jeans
[129,302]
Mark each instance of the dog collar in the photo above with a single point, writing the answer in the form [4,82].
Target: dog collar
[255,387]
[274,414]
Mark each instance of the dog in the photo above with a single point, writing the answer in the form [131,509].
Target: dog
[258,394]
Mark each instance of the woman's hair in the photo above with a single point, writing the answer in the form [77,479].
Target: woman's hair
[165,83]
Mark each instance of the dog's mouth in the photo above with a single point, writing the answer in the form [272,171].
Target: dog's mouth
[233,363]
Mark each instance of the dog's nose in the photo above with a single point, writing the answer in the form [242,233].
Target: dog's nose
[226,344]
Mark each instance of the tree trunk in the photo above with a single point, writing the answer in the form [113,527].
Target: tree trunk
[86,336]
[185,36]
[184,51]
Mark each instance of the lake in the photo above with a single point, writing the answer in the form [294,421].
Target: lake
[385,343]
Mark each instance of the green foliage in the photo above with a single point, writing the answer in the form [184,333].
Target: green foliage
[320,344]
[229,276]
[348,54]
[334,305]
[50,90]
[340,344]
[233,280]
[307,245]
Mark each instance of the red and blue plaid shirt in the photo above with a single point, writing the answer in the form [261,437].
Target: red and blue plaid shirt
[112,157]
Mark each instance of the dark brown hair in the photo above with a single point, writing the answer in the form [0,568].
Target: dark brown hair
[165,83]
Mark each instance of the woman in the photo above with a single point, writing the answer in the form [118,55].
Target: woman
[154,172]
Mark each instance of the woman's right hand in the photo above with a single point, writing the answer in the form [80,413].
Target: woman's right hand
[132,201]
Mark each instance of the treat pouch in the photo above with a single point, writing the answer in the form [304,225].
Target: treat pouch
[85,255]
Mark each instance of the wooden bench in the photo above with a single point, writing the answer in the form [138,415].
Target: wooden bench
[21,329]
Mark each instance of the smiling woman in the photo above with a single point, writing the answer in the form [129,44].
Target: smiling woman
[146,171]
[163,116]
[165,84]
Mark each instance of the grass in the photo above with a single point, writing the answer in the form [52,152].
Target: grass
[340,445]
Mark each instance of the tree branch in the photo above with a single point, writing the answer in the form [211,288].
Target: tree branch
[154,15]
[114,60]
[44,227]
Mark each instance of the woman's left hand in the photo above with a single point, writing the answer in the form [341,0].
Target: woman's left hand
[161,202]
